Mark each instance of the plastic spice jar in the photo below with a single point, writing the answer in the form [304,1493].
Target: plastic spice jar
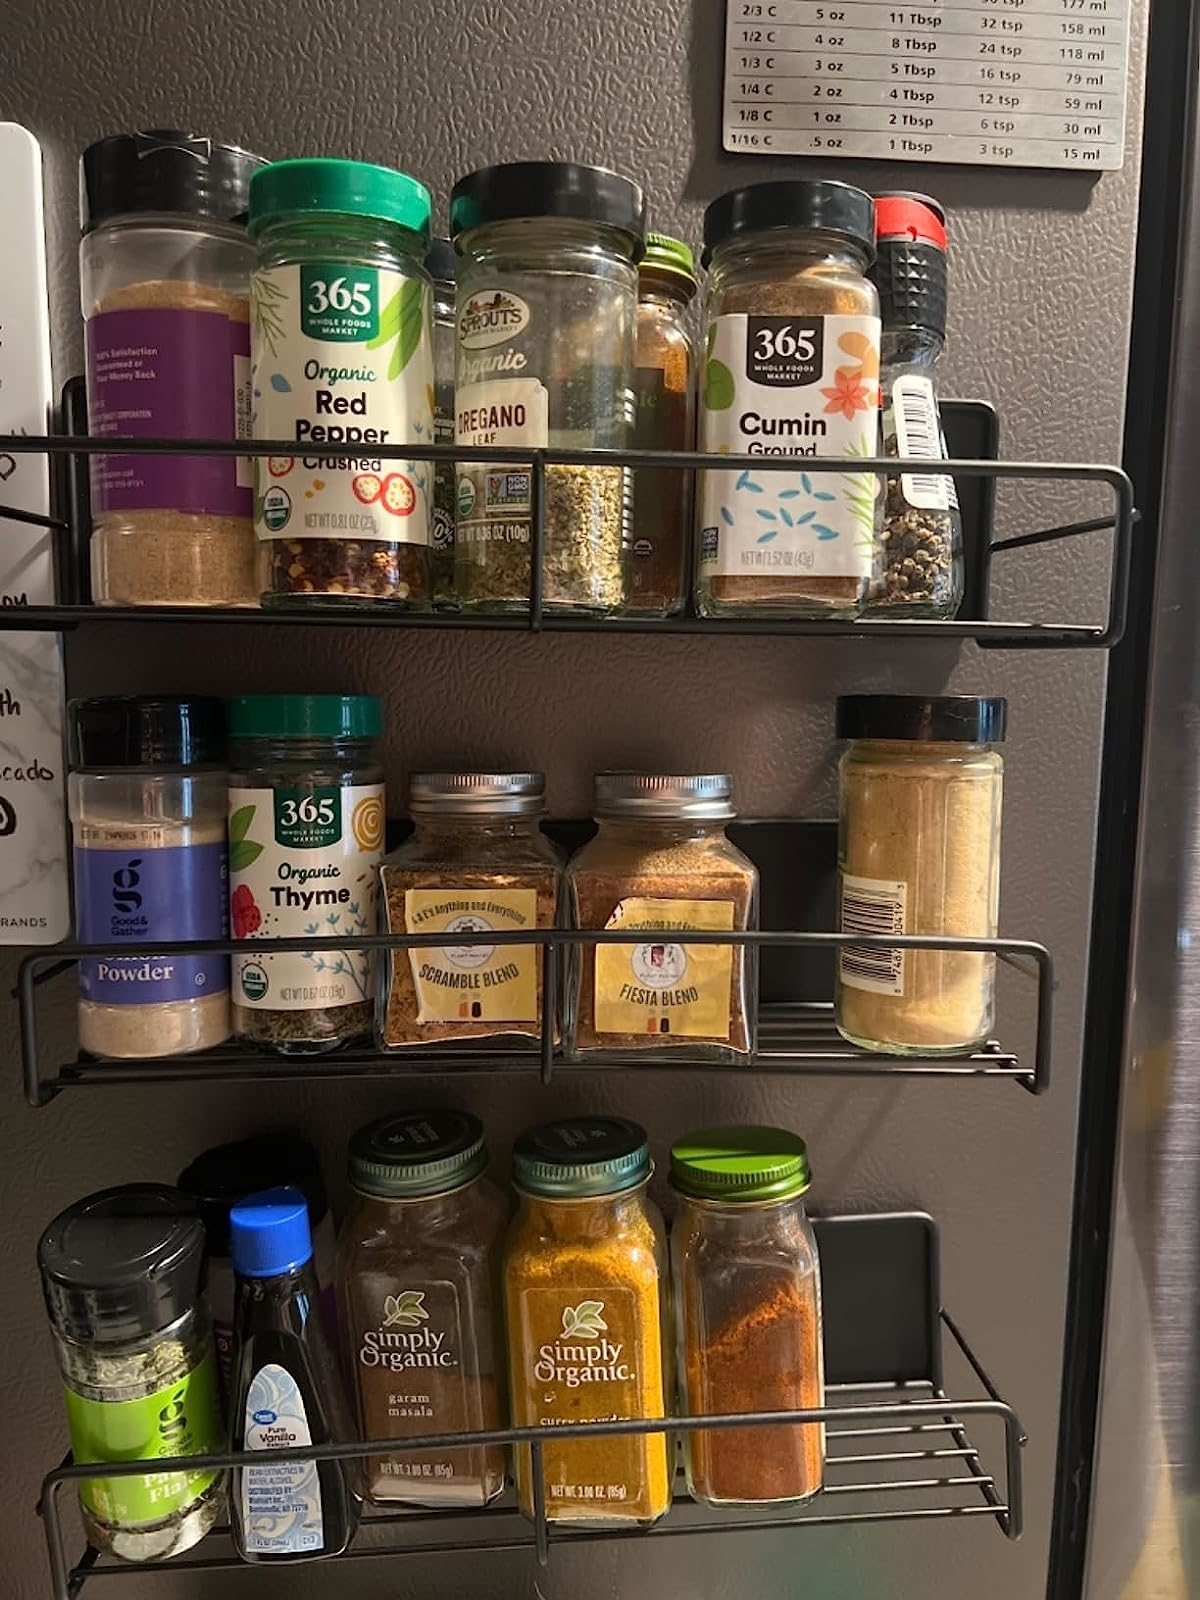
[477,861]
[121,1279]
[585,1284]
[442,263]
[666,420]
[547,307]
[306,825]
[164,272]
[147,799]
[919,853]
[791,369]
[418,1274]
[921,572]
[661,866]
[342,342]
[748,1310]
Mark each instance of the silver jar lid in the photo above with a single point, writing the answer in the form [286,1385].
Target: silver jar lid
[665,797]
[477,794]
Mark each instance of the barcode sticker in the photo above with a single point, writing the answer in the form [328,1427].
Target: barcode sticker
[919,434]
[872,905]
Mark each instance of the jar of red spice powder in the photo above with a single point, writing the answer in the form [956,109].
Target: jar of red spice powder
[748,1307]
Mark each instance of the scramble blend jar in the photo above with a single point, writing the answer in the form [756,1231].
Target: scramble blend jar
[306,826]
[342,343]
[585,1284]
[791,369]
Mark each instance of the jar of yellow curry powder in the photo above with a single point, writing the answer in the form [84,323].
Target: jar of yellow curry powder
[585,1290]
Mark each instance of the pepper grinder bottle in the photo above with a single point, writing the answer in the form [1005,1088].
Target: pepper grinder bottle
[920,573]
[287,1393]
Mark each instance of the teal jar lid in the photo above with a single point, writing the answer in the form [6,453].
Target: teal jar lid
[741,1164]
[305,716]
[320,187]
[417,1154]
[664,254]
[582,1158]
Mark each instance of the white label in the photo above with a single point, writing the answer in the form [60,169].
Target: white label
[790,386]
[912,414]
[872,905]
[503,411]
[495,503]
[281,1504]
[342,354]
[303,862]
[1000,83]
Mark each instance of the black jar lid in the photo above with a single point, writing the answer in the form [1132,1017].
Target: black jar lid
[910,268]
[966,718]
[417,1154]
[819,203]
[519,190]
[163,169]
[139,731]
[582,1158]
[220,1177]
[122,1264]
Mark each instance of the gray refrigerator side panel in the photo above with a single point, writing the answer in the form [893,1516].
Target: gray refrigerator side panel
[1042,272]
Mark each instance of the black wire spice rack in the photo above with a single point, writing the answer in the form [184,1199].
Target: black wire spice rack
[977,476]
[899,1447]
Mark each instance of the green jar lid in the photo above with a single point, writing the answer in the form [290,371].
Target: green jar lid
[664,254]
[741,1164]
[344,188]
[305,716]
[582,1158]
[417,1154]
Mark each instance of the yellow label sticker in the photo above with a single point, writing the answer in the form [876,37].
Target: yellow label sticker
[474,982]
[661,987]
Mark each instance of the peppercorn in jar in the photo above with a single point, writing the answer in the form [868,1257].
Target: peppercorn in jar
[342,347]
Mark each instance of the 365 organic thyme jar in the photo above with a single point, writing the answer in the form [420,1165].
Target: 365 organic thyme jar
[547,304]
[306,826]
[342,343]
[791,369]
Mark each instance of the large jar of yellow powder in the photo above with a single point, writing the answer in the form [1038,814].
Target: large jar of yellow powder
[919,853]
[585,1291]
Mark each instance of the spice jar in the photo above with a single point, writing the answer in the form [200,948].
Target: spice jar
[121,1279]
[918,853]
[921,571]
[665,420]
[341,336]
[791,369]
[442,264]
[164,271]
[306,824]
[147,800]
[661,865]
[418,1274]
[477,860]
[547,306]
[748,1310]
[585,1283]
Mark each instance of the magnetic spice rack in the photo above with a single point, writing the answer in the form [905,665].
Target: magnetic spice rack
[899,1448]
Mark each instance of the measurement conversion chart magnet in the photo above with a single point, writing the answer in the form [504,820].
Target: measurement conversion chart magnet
[1002,83]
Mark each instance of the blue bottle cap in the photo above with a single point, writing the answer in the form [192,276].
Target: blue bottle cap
[269,1233]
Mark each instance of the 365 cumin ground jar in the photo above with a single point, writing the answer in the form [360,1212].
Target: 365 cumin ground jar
[791,368]
[919,853]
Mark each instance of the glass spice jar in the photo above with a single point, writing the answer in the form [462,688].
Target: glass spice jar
[418,1279]
[477,860]
[920,572]
[147,792]
[121,1279]
[791,369]
[164,273]
[660,866]
[585,1284]
[748,1310]
[665,420]
[918,853]
[547,306]
[442,264]
[306,827]
[342,341]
